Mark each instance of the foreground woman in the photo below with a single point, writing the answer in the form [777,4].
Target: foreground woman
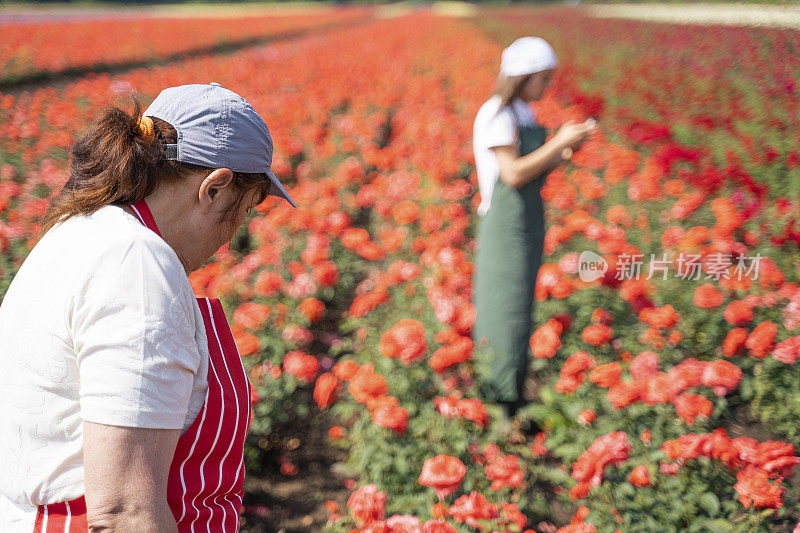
[512,160]
[125,402]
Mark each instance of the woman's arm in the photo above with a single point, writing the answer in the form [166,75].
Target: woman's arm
[125,475]
[517,171]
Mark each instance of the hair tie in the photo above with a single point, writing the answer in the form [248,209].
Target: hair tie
[148,129]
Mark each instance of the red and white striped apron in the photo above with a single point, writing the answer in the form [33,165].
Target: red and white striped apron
[207,471]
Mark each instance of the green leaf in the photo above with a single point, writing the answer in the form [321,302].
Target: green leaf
[710,503]
[720,525]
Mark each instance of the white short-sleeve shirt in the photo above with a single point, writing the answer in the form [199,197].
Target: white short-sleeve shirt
[100,324]
[495,127]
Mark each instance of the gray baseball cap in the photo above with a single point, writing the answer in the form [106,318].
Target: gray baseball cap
[216,128]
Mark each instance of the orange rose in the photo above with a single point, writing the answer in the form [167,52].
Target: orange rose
[761,339]
[452,354]
[597,334]
[734,342]
[640,477]
[606,375]
[405,212]
[706,296]
[546,340]
[738,313]
[312,309]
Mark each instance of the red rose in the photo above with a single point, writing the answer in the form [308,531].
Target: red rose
[251,315]
[503,471]
[472,508]
[404,341]
[754,488]
[644,364]
[366,384]
[655,389]
[623,393]
[721,376]
[586,417]
[326,274]
[472,409]
[689,405]
[246,343]
[438,526]
[325,390]
[300,365]
[787,351]
[403,524]
[660,317]
[443,474]
[605,451]
[395,418]
[367,504]
[344,370]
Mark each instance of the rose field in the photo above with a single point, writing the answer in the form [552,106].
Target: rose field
[667,387]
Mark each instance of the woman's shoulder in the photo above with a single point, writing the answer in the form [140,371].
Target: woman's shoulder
[489,108]
[492,115]
[108,237]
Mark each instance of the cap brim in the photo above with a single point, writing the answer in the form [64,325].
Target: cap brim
[278,190]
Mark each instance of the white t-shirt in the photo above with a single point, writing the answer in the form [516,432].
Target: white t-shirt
[495,128]
[100,324]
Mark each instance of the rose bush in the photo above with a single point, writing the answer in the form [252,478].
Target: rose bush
[667,401]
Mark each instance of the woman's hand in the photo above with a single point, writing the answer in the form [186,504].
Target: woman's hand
[125,476]
[517,171]
[573,134]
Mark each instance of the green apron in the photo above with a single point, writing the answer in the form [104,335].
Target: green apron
[510,244]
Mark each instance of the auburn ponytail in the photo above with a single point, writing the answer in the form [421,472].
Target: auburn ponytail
[118,161]
[112,163]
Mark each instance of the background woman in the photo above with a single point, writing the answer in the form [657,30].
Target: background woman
[512,160]
[125,401]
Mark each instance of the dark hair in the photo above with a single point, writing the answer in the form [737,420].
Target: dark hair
[113,164]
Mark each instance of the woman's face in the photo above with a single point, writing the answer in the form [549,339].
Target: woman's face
[218,225]
[534,87]
[230,223]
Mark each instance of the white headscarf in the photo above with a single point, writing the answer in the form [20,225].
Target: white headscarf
[527,55]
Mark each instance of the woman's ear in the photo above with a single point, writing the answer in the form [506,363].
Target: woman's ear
[211,185]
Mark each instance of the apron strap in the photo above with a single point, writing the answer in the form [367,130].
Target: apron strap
[144,215]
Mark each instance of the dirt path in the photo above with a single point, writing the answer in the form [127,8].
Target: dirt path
[278,503]
[784,16]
